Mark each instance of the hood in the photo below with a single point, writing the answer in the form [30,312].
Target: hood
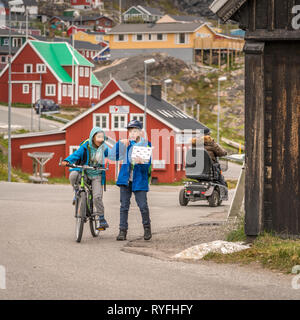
[92,133]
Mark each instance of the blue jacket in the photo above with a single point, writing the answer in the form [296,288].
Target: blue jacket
[82,155]
[141,172]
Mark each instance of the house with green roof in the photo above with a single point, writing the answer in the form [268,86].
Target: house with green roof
[51,70]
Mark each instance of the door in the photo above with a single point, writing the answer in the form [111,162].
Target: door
[37,91]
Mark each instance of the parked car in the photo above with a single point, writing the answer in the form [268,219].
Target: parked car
[45,105]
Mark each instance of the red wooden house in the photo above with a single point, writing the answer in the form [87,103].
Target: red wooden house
[44,70]
[168,128]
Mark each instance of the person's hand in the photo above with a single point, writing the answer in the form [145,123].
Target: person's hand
[64,163]
[138,160]
[125,141]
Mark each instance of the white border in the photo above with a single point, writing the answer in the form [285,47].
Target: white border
[43,144]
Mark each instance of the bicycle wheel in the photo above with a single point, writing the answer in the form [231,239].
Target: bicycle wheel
[81,215]
[94,223]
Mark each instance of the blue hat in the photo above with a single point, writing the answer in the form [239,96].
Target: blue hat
[135,124]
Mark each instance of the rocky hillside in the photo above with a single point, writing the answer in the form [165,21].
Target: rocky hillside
[191,85]
[182,7]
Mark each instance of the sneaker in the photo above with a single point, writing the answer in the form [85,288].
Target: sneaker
[122,235]
[147,232]
[102,223]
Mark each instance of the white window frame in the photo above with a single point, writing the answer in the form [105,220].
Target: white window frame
[132,115]
[135,37]
[117,39]
[64,90]
[86,91]
[28,65]
[101,115]
[70,90]
[164,37]
[25,91]
[87,54]
[50,90]
[95,93]
[178,158]
[6,42]
[80,91]
[159,164]
[41,68]
[87,72]
[81,71]
[118,115]
[186,38]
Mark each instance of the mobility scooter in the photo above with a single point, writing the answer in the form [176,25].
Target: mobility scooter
[206,183]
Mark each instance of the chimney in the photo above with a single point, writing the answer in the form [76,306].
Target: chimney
[156,91]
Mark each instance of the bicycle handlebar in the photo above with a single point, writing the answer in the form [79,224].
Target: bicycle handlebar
[74,166]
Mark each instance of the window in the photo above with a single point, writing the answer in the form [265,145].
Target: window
[5,42]
[87,72]
[27,68]
[150,37]
[139,37]
[182,38]
[65,89]
[95,93]
[101,120]
[87,54]
[69,90]
[50,89]
[17,42]
[80,91]
[119,121]
[25,88]
[3,59]
[81,72]
[160,37]
[121,37]
[137,116]
[40,68]
[86,92]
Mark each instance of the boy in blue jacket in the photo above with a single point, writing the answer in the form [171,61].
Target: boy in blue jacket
[93,152]
[133,178]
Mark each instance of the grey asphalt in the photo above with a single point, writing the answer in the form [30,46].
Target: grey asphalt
[21,119]
[43,261]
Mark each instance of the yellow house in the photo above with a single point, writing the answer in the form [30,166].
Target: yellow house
[92,37]
[179,40]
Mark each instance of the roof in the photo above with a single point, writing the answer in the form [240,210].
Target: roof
[175,116]
[59,54]
[5,49]
[95,81]
[125,86]
[225,9]
[152,11]
[154,28]
[187,18]
[79,45]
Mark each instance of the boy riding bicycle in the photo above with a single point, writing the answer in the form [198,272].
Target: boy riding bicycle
[93,153]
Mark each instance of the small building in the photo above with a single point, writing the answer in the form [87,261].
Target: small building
[141,14]
[30,6]
[89,36]
[181,40]
[166,125]
[98,22]
[272,112]
[45,70]
[87,4]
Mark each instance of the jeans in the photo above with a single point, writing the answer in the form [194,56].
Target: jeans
[141,200]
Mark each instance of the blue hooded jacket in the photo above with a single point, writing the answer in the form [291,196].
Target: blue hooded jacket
[83,153]
[141,172]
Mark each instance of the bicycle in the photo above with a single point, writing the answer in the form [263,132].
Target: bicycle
[84,203]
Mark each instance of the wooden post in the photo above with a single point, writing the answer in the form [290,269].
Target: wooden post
[219,58]
[228,57]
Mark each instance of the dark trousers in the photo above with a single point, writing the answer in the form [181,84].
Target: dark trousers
[141,200]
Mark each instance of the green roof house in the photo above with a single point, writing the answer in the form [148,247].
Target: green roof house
[51,70]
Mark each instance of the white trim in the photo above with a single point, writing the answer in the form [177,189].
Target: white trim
[25,67]
[110,80]
[134,8]
[137,115]
[43,144]
[22,81]
[41,66]
[36,134]
[86,91]
[76,71]
[59,92]
[50,85]
[123,95]
[217,5]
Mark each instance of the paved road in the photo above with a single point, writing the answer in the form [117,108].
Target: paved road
[43,261]
[21,119]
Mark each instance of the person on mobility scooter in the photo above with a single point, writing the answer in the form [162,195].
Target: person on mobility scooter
[202,165]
